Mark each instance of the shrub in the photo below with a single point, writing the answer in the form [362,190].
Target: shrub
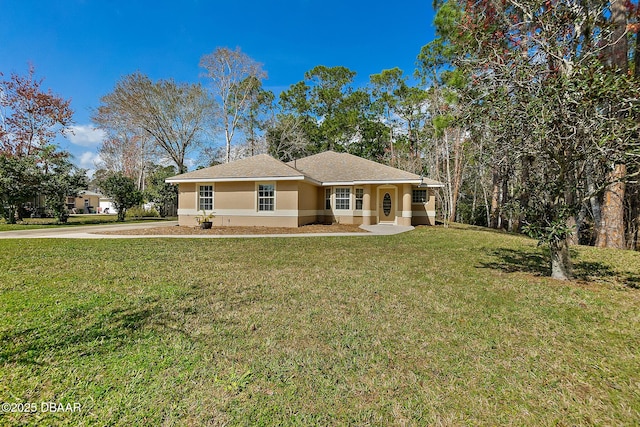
[139,212]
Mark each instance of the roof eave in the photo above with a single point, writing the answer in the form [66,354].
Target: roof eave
[235,179]
[373,181]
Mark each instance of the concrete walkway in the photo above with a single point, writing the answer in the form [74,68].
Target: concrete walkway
[88,232]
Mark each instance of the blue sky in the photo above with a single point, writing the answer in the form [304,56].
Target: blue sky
[82,47]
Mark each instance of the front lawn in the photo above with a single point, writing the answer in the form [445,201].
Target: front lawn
[432,327]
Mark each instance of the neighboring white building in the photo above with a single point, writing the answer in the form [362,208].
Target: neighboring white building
[106,205]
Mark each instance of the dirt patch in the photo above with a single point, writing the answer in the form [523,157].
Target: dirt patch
[234,231]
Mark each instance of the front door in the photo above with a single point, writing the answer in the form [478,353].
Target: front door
[387,205]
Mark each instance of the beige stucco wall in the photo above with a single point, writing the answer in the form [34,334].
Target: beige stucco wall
[308,197]
[299,203]
[254,221]
[320,194]
[235,204]
[187,196]
[234,195]
[308,206]
[287,195]
[424,214]
[94,203]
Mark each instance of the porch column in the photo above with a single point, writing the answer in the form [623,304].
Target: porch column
[366,205]
[406,205]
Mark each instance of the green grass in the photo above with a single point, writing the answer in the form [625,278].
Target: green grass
[433,327]
[79,219]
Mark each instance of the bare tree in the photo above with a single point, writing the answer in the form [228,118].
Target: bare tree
[130,154]
[234,76]
[287,139]
[173,114]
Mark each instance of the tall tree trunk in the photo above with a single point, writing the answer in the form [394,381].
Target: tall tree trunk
[457,173]
[612,230]
[570,198]
[495,199]
[393,154]
[449,183]
[596,210]
[619,44]
[633,223]
[524,192]
[474,201]
[636,56]
[560,261]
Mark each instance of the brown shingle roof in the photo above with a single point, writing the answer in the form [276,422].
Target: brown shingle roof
[342,167]
[260,166]
[327,167]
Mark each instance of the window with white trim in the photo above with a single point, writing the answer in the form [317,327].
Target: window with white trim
[419,196]
[359,198]
[343,198]
[205,198]
[327,198]
[266,197]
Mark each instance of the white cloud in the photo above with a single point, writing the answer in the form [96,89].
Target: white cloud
[88,160]
[86,136]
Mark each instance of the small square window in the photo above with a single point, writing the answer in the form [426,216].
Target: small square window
[419,196]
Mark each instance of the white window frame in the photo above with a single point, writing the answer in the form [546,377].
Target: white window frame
[201,198]
[339,201]
[359,199]
[272,197]
[419,202]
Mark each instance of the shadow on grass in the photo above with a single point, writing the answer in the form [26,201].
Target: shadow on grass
[94,330]
[538,264]
[70,333]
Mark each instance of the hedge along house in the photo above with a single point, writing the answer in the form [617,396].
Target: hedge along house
[327,187]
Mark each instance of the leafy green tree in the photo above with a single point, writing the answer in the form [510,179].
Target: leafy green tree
[61,180]
[385,87]
[30,119]
[163,195]
[20,180]
[331,109]
[540,97]
[123,191]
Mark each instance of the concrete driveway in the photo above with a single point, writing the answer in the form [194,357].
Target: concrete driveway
[88,232]
[81,231]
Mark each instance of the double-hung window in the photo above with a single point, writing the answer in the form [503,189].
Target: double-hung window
[419,196]
[359,198]
[266,197]
[327,198]
[205,198]
[343,198]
